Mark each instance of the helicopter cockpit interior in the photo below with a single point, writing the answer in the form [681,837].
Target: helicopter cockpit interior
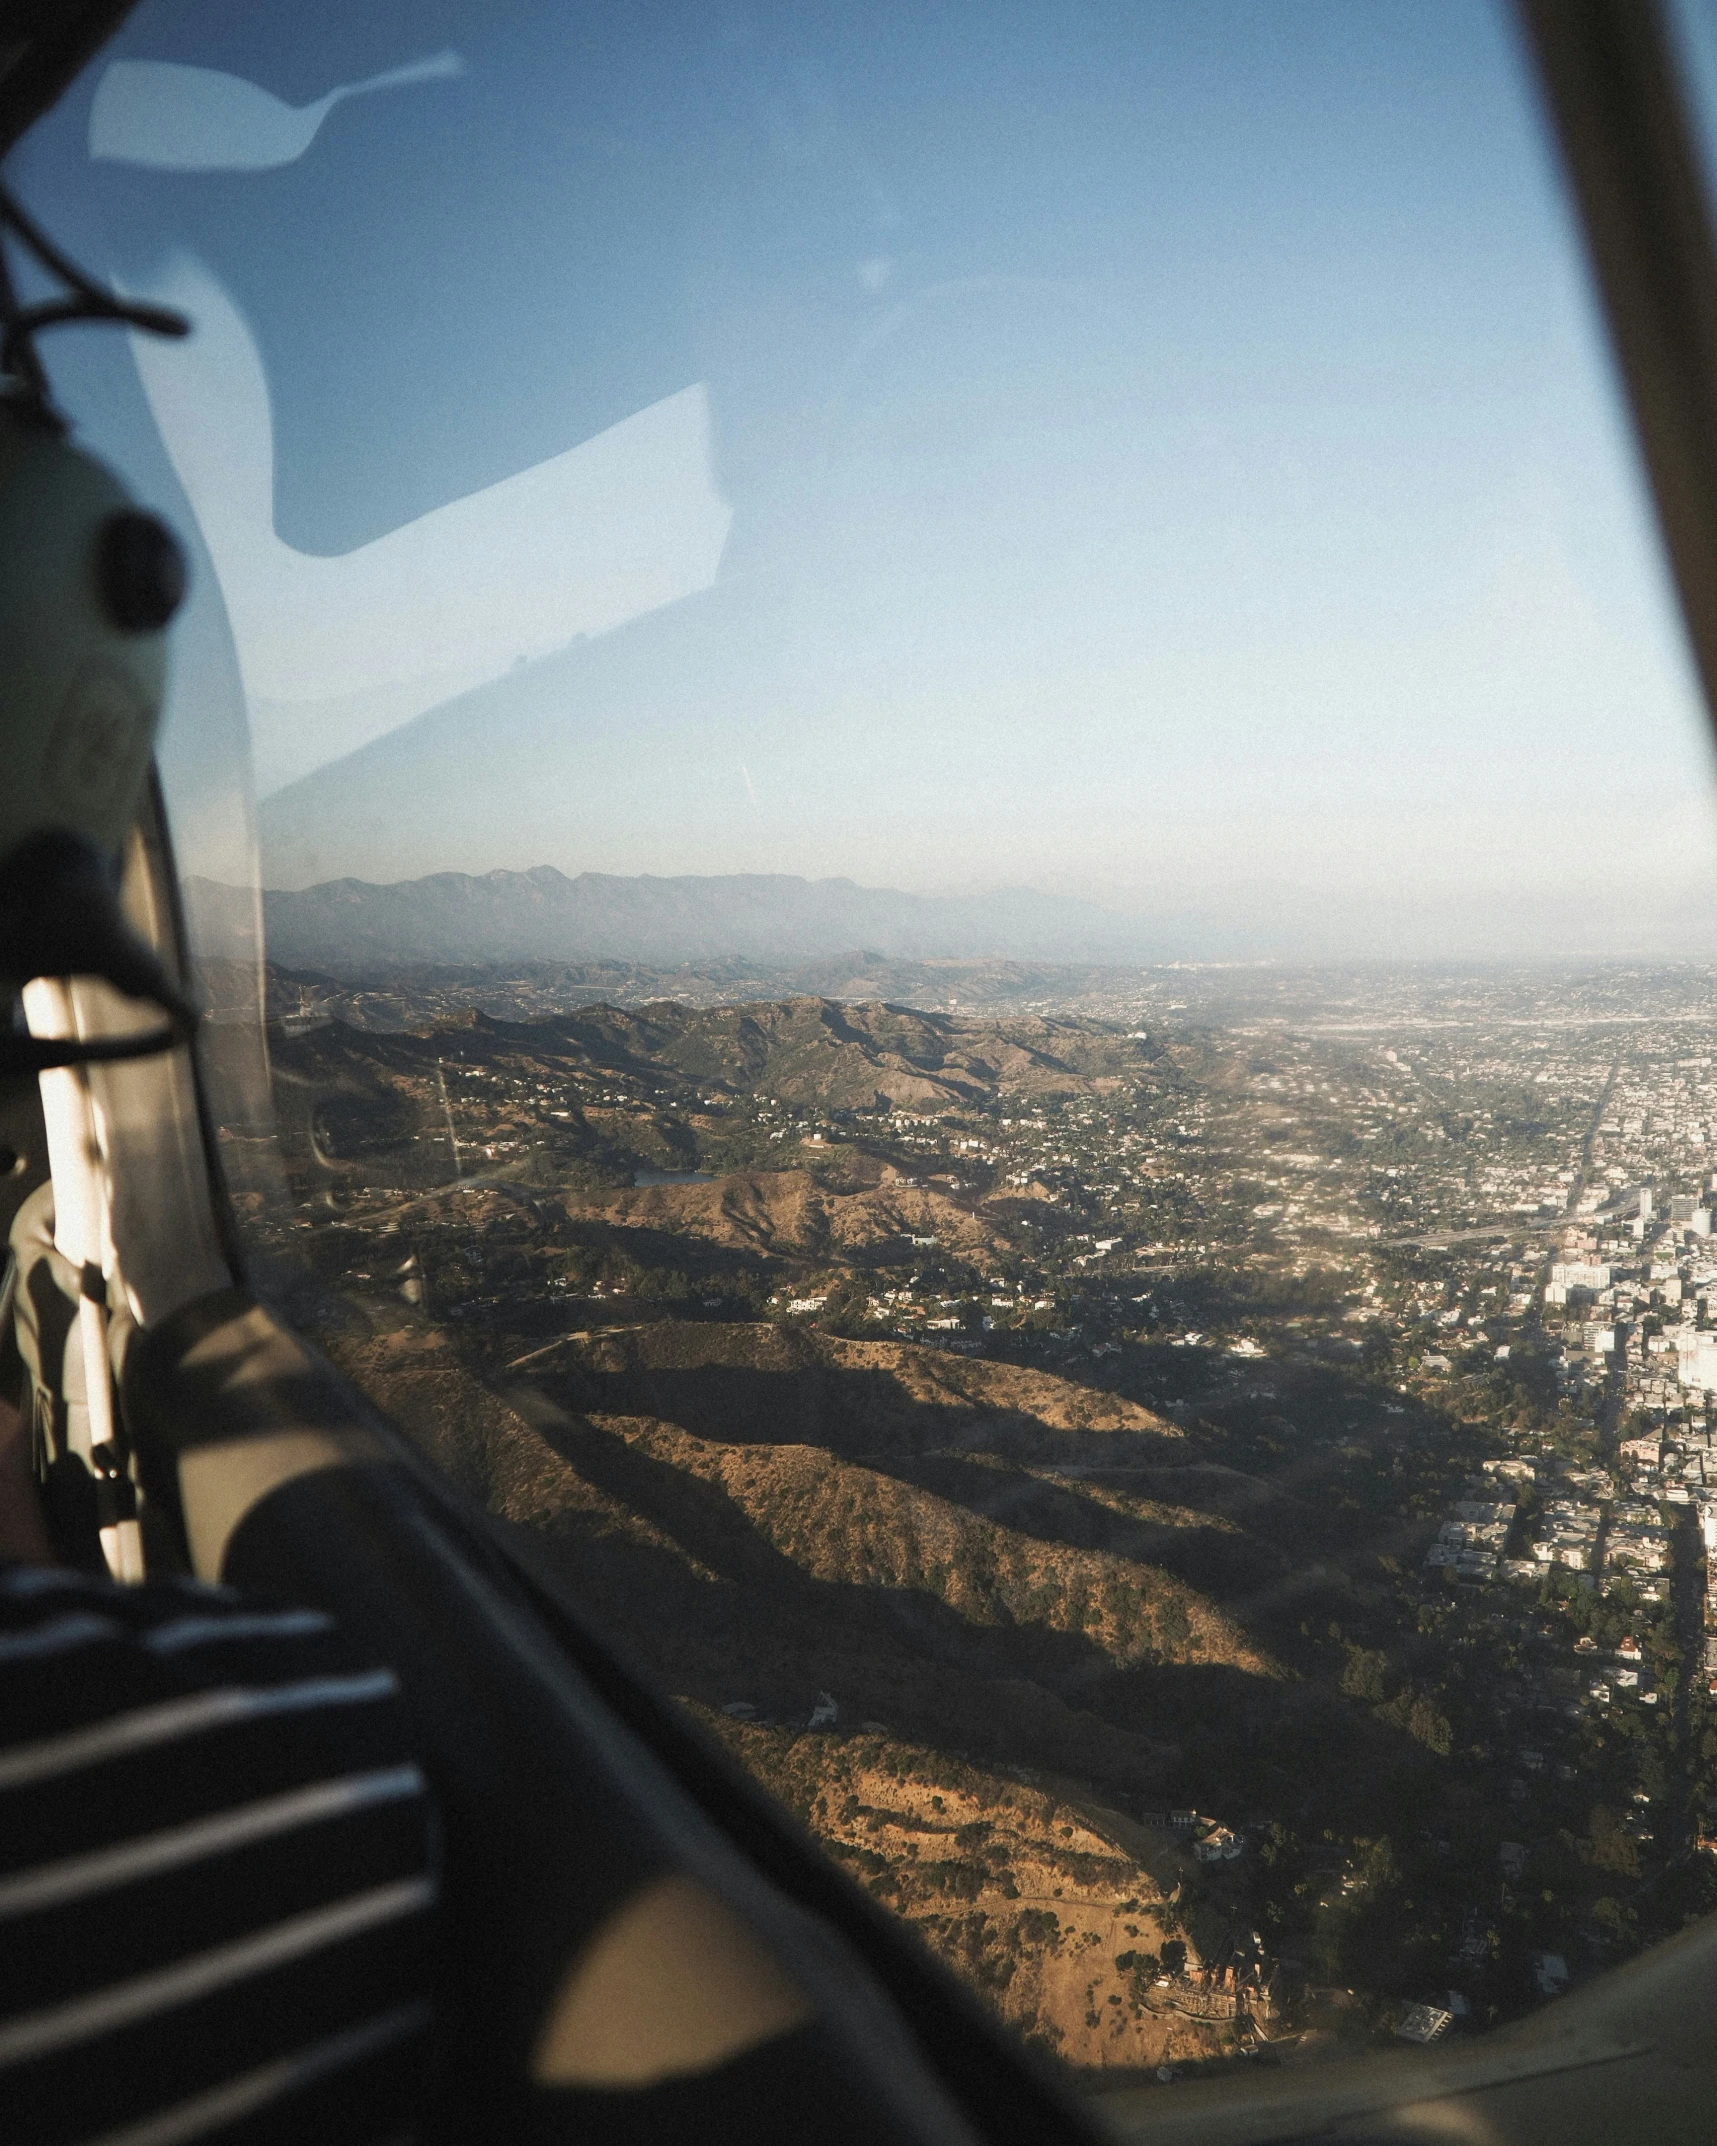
[203,331]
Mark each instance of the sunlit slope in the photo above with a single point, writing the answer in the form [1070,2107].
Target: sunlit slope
[791,1214]
[866,1530]
[861,1398]
[643,1084]
[1054,1906]
[989,1557]
[840,1550]
[1005,1573]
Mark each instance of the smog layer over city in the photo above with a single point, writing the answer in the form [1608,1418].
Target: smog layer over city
[1190,1481]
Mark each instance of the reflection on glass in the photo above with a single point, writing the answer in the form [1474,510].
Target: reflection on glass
[166,117]
[338,651]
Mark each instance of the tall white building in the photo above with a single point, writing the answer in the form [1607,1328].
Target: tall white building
[1696,1361]
[1568,1274]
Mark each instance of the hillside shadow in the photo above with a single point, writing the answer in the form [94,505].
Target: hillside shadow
[662,1249]
[721,1615]
[689,1249]
[864,1416]
[714,1532]
[1295,1551]
[860,1414]
[1212,1560]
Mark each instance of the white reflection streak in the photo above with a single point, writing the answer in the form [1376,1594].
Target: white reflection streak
[336,652]
[167,117]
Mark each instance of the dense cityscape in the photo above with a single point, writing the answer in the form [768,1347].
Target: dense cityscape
[1231,1446]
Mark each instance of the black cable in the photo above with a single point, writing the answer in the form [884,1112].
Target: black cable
[60,916]
[56,262]
[88,302]
[20,1055]
[23,362]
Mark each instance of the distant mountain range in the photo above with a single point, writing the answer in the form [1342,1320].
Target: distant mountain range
[351,927]
[358,930]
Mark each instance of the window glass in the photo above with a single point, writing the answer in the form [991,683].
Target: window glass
[986,868]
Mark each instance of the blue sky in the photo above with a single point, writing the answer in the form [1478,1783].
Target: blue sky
[1159,452]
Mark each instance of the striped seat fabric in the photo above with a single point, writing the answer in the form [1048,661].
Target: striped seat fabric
[216,1873]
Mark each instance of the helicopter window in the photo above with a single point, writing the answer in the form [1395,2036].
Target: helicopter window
[977,827]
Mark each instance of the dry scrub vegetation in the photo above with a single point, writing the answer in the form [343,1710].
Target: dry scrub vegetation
[902,1537]
[1057,1912]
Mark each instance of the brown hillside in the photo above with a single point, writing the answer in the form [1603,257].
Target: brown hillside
[1032,1896]
[809,1051]
[796,1384]
[658,1547]
[852,1526]
[789,1212]
[1006,1570]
